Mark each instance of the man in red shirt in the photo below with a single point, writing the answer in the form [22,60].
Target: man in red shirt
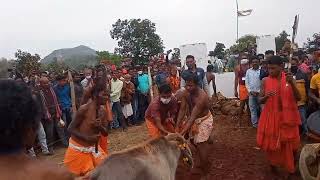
[161,113]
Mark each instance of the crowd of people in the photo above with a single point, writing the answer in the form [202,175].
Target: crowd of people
[78,109]
[280,92]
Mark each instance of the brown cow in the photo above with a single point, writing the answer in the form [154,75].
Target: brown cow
[157,159]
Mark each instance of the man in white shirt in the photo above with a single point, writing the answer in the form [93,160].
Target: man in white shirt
[116,88]
[219,64]
[88,77]
[253,84]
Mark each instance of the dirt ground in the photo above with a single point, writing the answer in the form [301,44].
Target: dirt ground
[233,154]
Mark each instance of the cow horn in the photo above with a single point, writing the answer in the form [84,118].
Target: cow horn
[183,146]
[174,137]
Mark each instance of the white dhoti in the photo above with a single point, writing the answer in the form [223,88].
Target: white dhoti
[127,110]
[202,128]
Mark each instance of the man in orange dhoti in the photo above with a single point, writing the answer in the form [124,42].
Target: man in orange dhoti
[161,113]
[239,80]
[278,130]
[90,123]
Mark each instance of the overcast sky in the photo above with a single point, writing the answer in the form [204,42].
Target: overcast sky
[41,26]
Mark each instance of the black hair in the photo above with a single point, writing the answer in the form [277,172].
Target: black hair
[19,111]
[260,56]
[269,52]
[190,57]
[210,68]
[60,77]
[189,76]
[99,82]
[275,60]
[165,89]
[220,57]
[295,58]
[253,58]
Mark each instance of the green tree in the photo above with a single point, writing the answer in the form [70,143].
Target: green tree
[106,56]
[26,62]
[243,43]
[313,42]
[281,39]
[137,39]
[219,49]
[56,66]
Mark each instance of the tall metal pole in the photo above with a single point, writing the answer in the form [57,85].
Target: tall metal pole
[237,21]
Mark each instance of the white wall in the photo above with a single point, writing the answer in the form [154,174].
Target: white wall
[224,83]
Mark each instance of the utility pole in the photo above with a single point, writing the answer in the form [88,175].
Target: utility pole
[237,21]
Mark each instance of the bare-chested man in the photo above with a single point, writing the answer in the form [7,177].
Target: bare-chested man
[211,77]
[199,124]
[18,129]
[84,153]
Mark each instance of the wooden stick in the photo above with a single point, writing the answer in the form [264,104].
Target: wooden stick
[150,82]
[73,95]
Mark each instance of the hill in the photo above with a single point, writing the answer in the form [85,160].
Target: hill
[76,58]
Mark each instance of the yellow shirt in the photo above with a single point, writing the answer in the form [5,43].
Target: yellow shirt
[315,82]
[300,84]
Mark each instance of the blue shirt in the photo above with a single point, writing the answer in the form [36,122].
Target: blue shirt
[263,73]
[202,79]
[143,83]
[64,96]
[252,80]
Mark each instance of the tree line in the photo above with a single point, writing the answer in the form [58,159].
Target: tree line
[137,39]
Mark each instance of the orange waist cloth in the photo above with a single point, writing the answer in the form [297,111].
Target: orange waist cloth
[80,160]
[243,92]
[103,143]
[278,130]
[153,130]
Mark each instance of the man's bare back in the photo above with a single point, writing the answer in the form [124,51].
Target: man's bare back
[18,132]
[21,167]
